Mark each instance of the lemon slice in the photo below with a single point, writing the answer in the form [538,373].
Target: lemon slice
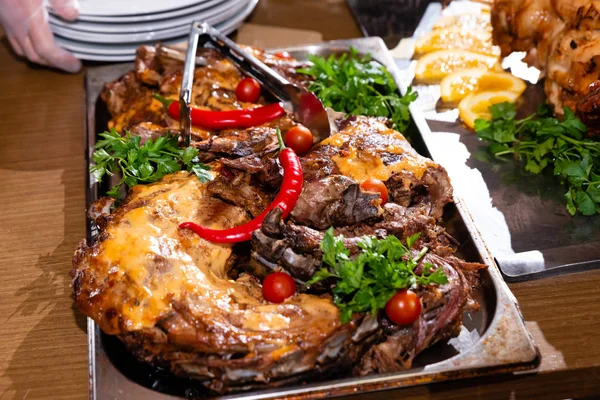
[459,84]
[477,105]
[432,67]
[478,21]
[479,41]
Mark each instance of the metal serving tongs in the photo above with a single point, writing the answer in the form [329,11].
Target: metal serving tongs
[305,107]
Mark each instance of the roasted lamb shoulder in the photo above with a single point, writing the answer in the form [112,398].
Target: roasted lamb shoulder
[295,249]
[419,190]
[366,147]
[167,294]
[195,307]
[159,70]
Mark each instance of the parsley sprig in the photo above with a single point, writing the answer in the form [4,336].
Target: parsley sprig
[366,282]
[145,163]
[541,142]
[355,85]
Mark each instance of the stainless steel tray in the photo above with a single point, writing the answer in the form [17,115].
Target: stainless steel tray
[521,216]
[493,340]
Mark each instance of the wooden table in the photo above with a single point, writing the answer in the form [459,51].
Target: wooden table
[43,347]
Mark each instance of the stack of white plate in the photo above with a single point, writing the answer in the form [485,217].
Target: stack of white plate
[111,30]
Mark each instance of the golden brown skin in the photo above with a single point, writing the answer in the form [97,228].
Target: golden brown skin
[574,62]
[562,39]
[367,148]
[143,264]
[145,278]
[186,304]
[129,99]
[525,25]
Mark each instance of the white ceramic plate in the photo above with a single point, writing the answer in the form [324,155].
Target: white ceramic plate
[234,8]
[148,17]
[131,7]
[103,58]
[111,50]
[215,8]
[126,52]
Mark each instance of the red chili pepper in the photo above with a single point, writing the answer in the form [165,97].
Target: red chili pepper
[286,200]
[231,119]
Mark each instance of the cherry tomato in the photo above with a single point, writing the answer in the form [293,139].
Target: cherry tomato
[376,186]
[248,90]
[404,307]
[278,286]
[283,54]
[299,139]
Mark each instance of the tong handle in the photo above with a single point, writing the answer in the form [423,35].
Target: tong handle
[252,66]
[203,33]
[187,82]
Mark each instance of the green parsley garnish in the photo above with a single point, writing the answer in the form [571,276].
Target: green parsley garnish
[541,142]
[143,163]
[355,85]
[369,280]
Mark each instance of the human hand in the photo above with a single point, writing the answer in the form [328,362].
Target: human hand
[26,25]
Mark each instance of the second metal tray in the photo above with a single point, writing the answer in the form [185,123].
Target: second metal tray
[493,340]
[522,217]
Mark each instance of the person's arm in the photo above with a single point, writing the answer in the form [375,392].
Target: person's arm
[26,25]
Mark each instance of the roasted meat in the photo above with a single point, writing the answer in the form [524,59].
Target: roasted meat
[159,70]
[361,149]
[167,293]
[195,307]
[335,201]
[236,187]
[130,103]
[441,318]
[295,249]
[562,40]
[367,148]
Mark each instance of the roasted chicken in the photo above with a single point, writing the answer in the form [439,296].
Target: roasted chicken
[196,308]
[563,41]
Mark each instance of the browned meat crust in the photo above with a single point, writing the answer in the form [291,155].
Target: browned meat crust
[130,102]
[167,295]
[295,249]
[563,41]
[367,147]
[335,201]
[236,187]
[192,306]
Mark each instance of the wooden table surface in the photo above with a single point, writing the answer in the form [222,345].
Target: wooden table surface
[43,347]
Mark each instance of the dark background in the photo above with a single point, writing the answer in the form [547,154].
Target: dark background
[390,19]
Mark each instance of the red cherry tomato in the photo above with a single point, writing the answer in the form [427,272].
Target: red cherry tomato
[404,307]
[376,186]
[283,54]
[248,90]
[299,139]
[278,286]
